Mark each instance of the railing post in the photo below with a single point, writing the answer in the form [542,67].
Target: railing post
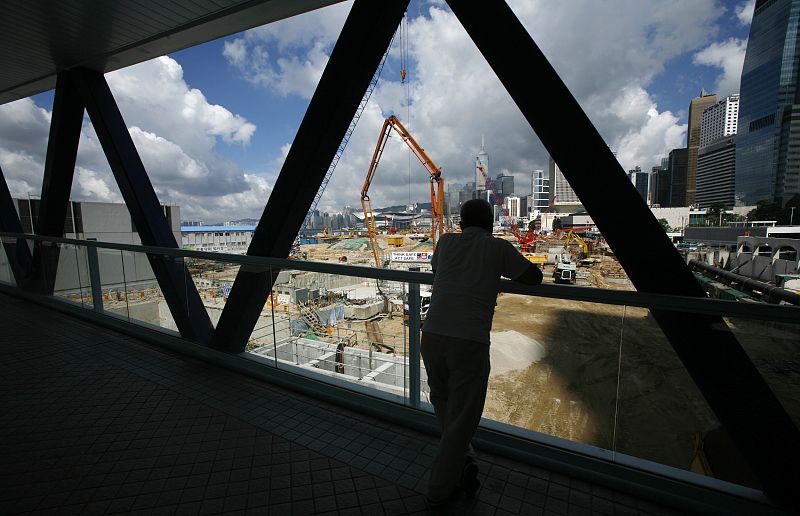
[413,342]
[94,276]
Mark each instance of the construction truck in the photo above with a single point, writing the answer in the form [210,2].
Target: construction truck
[564,270]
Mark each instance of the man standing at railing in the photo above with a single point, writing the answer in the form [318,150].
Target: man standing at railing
[455,340]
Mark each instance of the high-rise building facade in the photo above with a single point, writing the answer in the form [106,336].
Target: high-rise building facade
[661,184]
[504,184]
[678,173]
[514,207]
[719,120]
[563,198]
[696,108]
[541,191]
[767,154]
[481,160]
[641,180]
[716,171]
[716,159]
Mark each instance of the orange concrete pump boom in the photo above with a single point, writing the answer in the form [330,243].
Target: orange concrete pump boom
[436,182]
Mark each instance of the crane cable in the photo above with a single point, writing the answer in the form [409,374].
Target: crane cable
[403,80]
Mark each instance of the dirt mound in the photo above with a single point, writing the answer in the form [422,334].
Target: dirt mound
[511,350]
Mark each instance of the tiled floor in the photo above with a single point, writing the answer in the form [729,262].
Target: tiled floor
[94,422]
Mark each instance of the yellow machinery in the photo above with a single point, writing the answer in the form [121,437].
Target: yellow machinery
[396,240]
[536,259]
[436,182]
[580,241]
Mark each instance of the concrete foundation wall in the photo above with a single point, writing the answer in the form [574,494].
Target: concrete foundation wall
[148,312]
[363,312]
[380,370]
[320,280]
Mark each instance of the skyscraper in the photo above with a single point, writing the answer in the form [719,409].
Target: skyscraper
[678,173]
[716,158]
[641,180]
[541,191]
[504,184]
[719,120]
[482,159]
[563,198]
[767,159]
[696,107]
[662,186]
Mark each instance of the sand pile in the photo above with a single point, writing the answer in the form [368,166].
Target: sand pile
[511,350]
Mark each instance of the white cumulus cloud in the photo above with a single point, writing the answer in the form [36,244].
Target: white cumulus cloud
[455,98]
[288,56]
[744,12]
[729,56]
[175,130]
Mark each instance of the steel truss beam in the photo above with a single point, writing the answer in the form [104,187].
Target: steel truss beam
[727,378]
[17,253]
[59,169]
[176,284]
[365,36]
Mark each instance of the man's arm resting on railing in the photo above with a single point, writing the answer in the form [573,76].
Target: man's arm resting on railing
[532,276]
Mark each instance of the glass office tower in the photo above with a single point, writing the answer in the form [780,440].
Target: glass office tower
[767,153]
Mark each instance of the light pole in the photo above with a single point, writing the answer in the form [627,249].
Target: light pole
[791,216]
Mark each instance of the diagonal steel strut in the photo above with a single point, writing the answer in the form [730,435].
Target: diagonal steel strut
[727,378]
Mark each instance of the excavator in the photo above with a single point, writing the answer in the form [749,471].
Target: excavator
[436,182]
[581,242]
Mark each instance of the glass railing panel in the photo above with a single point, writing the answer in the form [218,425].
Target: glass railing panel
[66,268]
[337,328]
[84,277]
[111,274]
[6,273]
[662,415]
[774,348]
[555,367]
[213,280]
[146,301]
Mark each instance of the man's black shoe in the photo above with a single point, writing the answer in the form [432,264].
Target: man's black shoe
[469,478]
[454,496]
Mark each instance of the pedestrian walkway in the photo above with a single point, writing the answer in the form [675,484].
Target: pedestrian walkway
[96,422]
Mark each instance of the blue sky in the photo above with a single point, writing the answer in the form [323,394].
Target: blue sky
[214,122]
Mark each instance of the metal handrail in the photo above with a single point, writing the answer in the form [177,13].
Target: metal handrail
[745,310]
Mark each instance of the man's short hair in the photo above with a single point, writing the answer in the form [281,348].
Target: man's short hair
[477,212]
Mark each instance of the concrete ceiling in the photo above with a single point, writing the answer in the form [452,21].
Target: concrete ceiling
[39,38]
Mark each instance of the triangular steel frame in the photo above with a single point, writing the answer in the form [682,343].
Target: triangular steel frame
[355,57]
[76,90]
[735,391]
[716,362]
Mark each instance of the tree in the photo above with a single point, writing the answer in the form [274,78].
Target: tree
[767,210]
[715,214]
[665,224]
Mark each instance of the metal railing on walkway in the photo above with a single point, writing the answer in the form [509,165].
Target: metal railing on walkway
[583,378]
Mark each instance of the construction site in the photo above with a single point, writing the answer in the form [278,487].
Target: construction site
[598,374]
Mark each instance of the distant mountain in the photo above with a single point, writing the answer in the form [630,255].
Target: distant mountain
[240,222]
[402,207]
[244,222]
